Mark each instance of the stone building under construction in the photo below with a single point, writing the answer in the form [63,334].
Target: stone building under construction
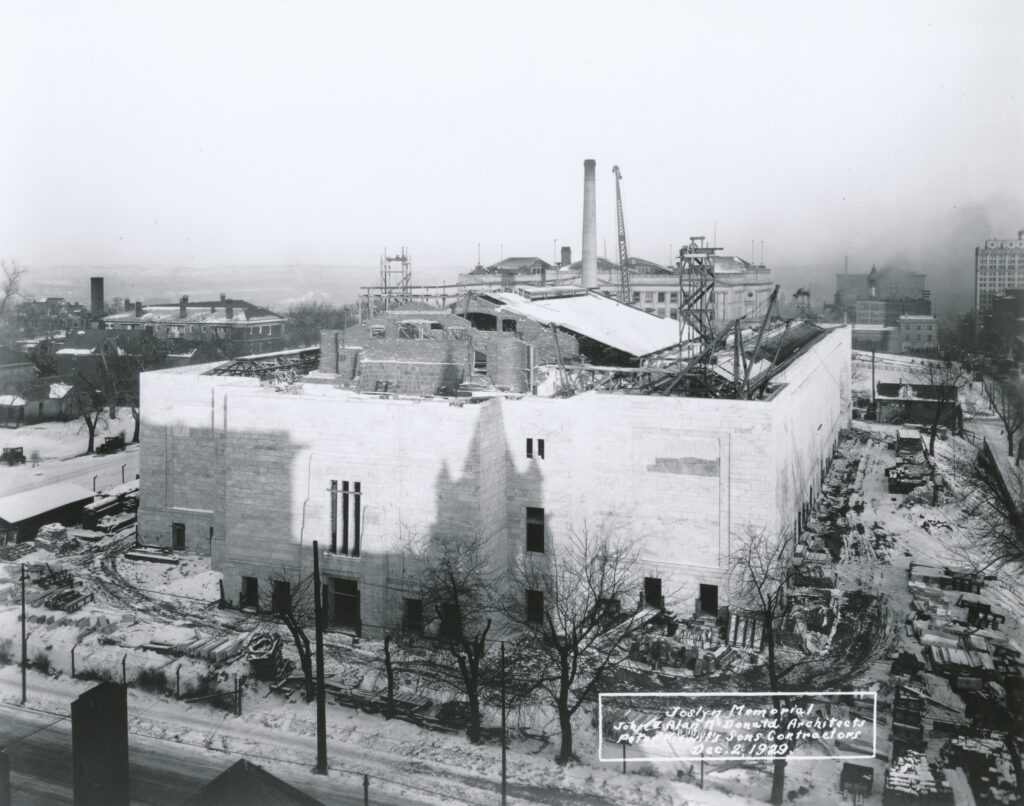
[517,416]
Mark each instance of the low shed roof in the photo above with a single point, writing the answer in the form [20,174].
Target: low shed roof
[33,503]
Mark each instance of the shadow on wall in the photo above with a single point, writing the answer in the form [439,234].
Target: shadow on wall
[226,494]
[492,501]
[256,501]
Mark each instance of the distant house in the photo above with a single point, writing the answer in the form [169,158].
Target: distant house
[16,369]
[234,326]
[51,398]
[22,514]
[47,316]
[905,401]
[83,352]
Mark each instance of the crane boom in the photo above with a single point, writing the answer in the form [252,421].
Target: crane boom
[625,292]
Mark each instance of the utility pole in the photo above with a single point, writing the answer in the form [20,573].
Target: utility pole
[504,742]
[24,641]
[321,703]
[5,778]
[873,375]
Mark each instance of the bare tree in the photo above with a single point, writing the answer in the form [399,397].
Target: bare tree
[10,285]
[120,374]
[90,404]
[292,606]
[761,572]
[1005,400]
[574,608]
[946,380]
[455,582]
[994,498]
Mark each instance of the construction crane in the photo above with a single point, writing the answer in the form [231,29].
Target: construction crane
[625,291]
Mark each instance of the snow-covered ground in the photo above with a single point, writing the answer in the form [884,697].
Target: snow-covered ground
[56,452]
[139,602]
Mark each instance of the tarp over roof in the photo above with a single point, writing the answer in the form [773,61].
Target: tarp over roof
[22,506]
[245,782]
[597,317]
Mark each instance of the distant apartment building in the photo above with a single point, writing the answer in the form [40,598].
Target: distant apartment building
[741,288]
[880,338]
[236,326]
[917,334]
[889,311]
[881,297]
[998,266]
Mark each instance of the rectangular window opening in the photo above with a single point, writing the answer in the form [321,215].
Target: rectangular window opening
[535,607]
[540,448]
[709,600]
[652,592]
[529,448]
[250,596]
[450,626]
[281,596]
[334,516]
[412,616]
[535,529]
[346,604]
[178,536]
[508,325]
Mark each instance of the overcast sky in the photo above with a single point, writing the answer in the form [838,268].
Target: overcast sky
[200,134]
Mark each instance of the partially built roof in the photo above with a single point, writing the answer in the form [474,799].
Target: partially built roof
[593,315]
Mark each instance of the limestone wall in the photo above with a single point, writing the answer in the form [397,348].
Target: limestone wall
[679,476]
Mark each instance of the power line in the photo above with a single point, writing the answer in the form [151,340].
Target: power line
[246,754]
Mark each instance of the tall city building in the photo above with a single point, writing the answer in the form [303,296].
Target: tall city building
[998,266]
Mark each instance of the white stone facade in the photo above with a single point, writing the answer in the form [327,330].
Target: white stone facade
[247,470]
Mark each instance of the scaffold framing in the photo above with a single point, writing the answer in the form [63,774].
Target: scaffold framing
[282,367]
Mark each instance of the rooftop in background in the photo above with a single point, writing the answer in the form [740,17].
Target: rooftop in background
[515,265]
[33,503]
[214,312]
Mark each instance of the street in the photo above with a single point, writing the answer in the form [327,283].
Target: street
[90,471]
[162,772]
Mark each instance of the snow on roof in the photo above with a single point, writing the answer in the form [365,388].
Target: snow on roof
[11,400]
[597,317]
[75,351]
[22,506]
[198,312]
[59,390]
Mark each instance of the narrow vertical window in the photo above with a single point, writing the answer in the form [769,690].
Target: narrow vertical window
[535,607]
[357,526]
[540,448]
[535,529]
[344,517]
[529,448]
[334,517]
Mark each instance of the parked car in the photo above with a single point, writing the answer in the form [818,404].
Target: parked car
[12,456]
[111,445]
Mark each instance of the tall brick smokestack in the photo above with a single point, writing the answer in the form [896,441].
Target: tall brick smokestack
[589,277]
[96,287]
